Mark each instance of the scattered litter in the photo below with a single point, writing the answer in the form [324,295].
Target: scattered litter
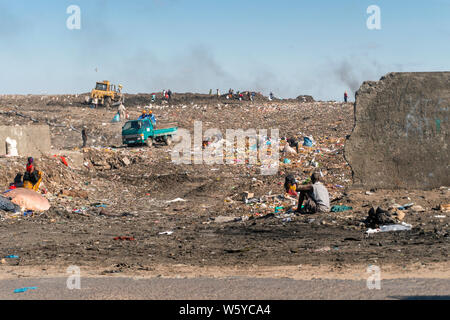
[324,249]
[166,233]
[176,200]
[28,213]
[223,219]
[417,209]
[125,238]
[64,161]
[340,208]
[392,227]
[12,256]
[440,216]
[396,227]
[20,290]
[278,209]
[307,142]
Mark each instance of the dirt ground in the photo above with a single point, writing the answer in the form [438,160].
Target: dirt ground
[130,192]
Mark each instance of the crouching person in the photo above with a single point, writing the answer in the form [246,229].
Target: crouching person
[314,196]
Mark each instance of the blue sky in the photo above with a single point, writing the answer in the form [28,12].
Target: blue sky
[290,47]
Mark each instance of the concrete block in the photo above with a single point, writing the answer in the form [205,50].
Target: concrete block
[31,140]
[401,134]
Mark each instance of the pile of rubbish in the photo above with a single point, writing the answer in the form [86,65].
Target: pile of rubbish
[109,158]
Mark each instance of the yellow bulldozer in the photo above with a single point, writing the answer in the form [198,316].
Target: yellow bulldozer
[106,94]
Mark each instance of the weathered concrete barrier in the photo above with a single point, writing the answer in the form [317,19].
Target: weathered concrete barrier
[31,140]
[401,133]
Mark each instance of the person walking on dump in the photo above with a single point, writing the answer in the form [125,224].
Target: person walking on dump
[345,96]
[121,110]
[315,195]
[84,137]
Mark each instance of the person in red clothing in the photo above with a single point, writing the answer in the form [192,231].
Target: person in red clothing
[31,174]
[345,96]
[30,166]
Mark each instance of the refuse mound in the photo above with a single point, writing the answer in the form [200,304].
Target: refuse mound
[305,98]
[106,159]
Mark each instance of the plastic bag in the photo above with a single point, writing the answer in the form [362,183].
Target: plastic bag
[116,118]
[29,199]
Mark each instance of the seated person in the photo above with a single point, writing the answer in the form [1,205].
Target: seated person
[31,174]
[18,183]
[293,143]
[315,195]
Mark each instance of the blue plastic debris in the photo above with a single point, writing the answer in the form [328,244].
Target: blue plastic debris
[20,290]
[307,142]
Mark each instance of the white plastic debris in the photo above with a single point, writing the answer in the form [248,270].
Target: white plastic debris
[166,233]
[390,227]
[11,147]
[176,200]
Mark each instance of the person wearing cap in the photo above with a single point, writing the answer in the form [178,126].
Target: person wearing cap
[151,116]
[143,115]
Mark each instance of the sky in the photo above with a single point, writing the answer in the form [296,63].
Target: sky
[290,47]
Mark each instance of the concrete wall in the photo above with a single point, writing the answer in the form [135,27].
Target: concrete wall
[31,140]
[401,134]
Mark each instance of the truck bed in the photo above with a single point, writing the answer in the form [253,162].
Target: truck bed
[165,125]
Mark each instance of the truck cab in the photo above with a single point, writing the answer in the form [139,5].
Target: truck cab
[144,131]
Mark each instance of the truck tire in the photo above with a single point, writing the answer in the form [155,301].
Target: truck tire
[149,142]
[107,102]
[168,140]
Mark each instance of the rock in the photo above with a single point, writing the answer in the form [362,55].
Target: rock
[417,208]
[126,161]
[247,195]
[223,219]
[399,215]
[399,121]
[74,193]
